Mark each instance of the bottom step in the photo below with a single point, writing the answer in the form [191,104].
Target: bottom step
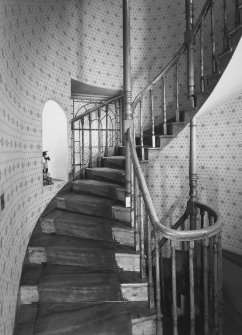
[60,319]
[130,292]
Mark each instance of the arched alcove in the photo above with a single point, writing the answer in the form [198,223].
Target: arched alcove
[54,139]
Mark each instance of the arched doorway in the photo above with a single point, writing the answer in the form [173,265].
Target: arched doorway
[54,139]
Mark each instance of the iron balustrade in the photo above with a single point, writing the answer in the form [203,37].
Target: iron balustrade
[171,75]
[96,132]
[200,250]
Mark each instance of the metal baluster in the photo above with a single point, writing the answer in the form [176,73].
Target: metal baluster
[202,214]
[220,284]
[158,295]
[132,208]
[202,79]
[205,245]
[136,211]
[73,143]
[226,40]
[90,140]
[174,293]
[190,41]
[150,274]
[117,116]
[106,140]
[141,132]
[127,172]
[192,297]
[164,107]
[163,301]
[177,95]
[121,122]
[99,138]
[237,12]
[137,217]
[142,239]
[83,150]
[211,261]
[214,58]
[215,283]
[152,116]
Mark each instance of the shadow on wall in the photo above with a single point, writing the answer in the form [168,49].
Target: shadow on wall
[54,139]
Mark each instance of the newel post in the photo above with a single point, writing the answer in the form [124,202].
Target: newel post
[193,174]
[128,113]
[190,41]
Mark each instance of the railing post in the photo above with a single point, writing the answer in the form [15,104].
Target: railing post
[193,175]
[237,12]
[202,79]
[189,41]
[128,114]
[214,58]
[226,40]
[159,324]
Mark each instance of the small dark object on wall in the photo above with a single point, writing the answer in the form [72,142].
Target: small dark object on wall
[46,175]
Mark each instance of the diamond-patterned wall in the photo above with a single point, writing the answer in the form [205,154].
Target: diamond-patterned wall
[219,137]
[43,45]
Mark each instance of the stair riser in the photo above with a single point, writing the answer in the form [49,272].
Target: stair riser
[164,142]
[114,176]
[144,327]
[107,192]
[212,82]
[73,257]
[152,153]
[174,129]
[123,236]
[84,208]
[121,214]
[113,163]
[235,36]
[223,61]
[30,294]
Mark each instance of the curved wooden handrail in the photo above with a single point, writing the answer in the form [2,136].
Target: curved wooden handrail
[77,118]
[175,59]
[169,233]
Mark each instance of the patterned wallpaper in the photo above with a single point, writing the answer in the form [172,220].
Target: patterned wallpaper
[219,136]
[43,45]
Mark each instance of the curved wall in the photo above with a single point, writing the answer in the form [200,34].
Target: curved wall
[219,142]
[43,45]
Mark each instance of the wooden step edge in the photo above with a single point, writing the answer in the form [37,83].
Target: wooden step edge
[125,261]
[180,123]
[235,29]
[166,136]
[130,292]
[143,319]
[121,214]
[213,75]
[123,235]
[225,53]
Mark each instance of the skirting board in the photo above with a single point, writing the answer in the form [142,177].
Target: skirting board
[232,249]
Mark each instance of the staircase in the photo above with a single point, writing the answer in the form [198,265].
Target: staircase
[81,270]
[150,140]
[96,262]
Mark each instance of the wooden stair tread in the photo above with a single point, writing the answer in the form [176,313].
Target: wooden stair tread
[106,174]
[58,215]
[124,249]
[96,187]
[130,277]
[86,204]
[114,162]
